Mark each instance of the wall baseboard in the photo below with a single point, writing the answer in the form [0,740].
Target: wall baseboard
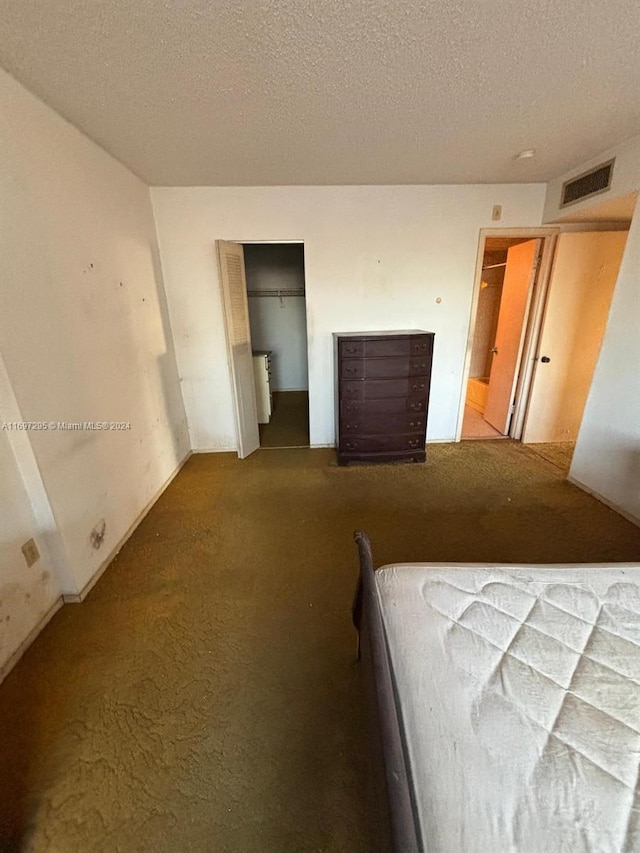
[627,515]
[313,446]
[13,659]
[77,597]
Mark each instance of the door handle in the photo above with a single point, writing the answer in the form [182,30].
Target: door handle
[494,350]
[545,359]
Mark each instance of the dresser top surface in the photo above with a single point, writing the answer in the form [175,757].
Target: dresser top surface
[392,333]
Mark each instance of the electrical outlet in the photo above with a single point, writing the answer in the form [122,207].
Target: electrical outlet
[496,213]
[31,553]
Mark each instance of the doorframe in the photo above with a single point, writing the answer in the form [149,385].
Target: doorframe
[244,242]
[533,329]
[532,322]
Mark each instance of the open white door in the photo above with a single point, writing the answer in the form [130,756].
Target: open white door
[236,318]
[583,278]
[517,287]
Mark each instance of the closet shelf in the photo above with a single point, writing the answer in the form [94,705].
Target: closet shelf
[289,292]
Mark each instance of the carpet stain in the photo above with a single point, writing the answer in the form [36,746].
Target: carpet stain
[205,696]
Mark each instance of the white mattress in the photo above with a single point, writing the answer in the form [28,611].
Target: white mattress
[519,691]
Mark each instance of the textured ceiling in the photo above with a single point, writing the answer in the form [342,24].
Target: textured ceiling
[250,92]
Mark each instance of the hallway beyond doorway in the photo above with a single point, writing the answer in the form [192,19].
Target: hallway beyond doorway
[475,426]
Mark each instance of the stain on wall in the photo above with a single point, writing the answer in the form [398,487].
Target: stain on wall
[97,534]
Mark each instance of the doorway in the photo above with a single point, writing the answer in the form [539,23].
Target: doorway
[543,300]
[276,298]
[266,342]
[507,283]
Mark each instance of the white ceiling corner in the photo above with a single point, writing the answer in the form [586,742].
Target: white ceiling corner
[619,209]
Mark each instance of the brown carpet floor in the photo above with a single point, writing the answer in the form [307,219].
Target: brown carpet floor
[559,454]
[205,696]
[289,424]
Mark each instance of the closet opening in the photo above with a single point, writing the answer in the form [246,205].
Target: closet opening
[275,284]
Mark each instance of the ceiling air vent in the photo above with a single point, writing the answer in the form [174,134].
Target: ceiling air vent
[590,183]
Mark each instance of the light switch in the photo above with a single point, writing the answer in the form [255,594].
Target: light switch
[31,553]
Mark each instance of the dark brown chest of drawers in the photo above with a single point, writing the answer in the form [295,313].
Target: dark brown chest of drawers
[382,395]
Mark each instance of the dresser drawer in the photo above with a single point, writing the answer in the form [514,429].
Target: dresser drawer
[383,368]
[421,346]
[378,424]
[386,347]
[387,406]
[381,443]
[351,349]
[382,388]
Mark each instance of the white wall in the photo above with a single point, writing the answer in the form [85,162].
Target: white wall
[84,335]
[607,455]
[375,258]
[279,325]
[27,595]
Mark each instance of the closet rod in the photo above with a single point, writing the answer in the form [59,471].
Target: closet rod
[298,292]
[494,266]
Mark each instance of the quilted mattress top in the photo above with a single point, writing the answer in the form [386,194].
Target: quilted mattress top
[519,693]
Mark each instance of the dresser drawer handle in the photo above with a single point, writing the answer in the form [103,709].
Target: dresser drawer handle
[351,445]
[414,442]
[353,426]
[417,386]
[351,350]
[421,366]
[414,423]
[416,407]
[351,369]
[419,346]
